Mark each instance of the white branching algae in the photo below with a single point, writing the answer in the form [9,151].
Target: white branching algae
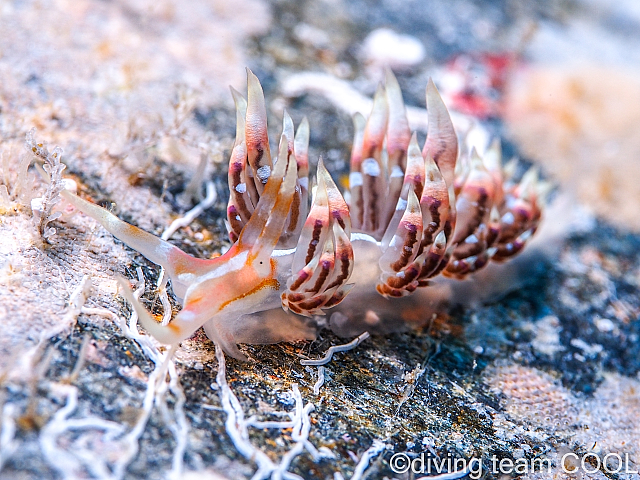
[157,388]
[372,452]
[43,207]
[68,441]
[237,428]
[318,385]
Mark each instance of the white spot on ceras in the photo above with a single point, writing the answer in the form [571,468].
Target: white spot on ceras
[508,218]
[396,171]
[355,179]
[370,167]
[471,239]
[401,205]
[241,187]
[263,173]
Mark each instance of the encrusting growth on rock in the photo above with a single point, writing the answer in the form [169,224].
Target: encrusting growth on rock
[43,207]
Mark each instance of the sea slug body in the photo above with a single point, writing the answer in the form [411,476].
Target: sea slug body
[415,215]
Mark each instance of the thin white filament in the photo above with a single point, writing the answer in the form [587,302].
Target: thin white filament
[335,349]
[372,452]
[320,382]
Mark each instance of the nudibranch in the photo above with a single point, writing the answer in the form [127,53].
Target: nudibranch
[414,215]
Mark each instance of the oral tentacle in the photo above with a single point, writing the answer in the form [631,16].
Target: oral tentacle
[175,261]
[170,334]
[219,333]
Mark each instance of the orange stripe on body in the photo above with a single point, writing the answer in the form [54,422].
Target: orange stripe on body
[269,283]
